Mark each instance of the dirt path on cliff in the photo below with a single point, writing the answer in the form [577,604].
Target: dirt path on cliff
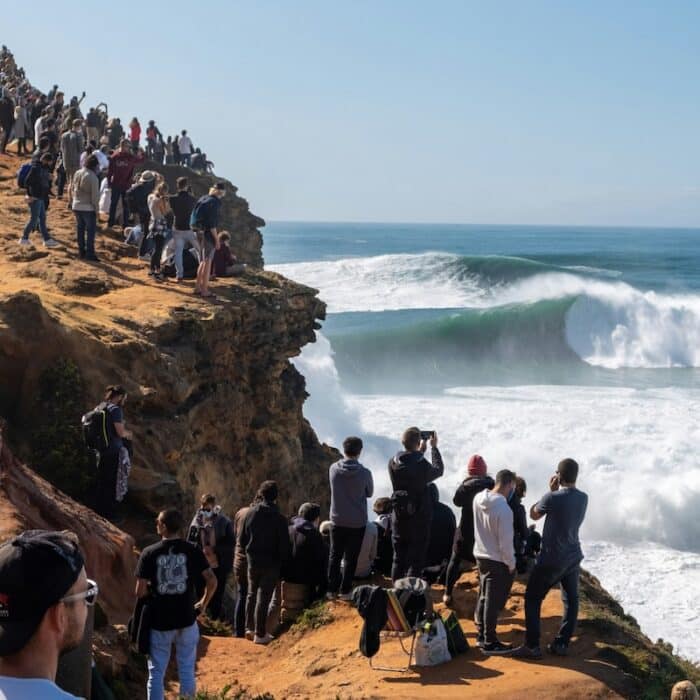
[326,663]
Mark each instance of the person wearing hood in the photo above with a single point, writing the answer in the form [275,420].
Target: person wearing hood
[265,540]
[410,473]
[442,533]
[351,486]
[495,557]
[463,546]
[119,175]
[304,574]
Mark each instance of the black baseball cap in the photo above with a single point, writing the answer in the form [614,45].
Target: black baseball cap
[37,568]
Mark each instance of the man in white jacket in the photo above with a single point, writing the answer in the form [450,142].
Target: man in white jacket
[495,556]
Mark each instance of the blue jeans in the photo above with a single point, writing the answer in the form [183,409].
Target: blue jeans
[115,196]
[542,578]
[241,596]
[86,222]
[37,217]
[185,641]
[186,159]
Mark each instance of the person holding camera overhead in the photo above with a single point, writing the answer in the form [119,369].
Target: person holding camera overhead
[411,473]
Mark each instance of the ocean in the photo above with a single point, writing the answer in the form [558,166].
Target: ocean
[526,344]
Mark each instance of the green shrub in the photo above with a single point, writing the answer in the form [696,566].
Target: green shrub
[57,448]
[313,617]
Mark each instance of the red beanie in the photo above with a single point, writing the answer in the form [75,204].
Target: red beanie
[476,466]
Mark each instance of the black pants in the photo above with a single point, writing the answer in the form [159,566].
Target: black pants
[144,222]
[454,569]
[542,578]
[22,145]
[495,581]
[241,596]
[346,543]
[106,487]
[261,585]
[410,538]
[6,129]
[116,195]
[217,600]
[159,242]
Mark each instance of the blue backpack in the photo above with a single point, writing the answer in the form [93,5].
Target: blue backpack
[22,174]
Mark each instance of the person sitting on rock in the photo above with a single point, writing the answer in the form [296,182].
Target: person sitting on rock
[559,561]
[385,550]
[304,574]
[442,532]
[265,540]
[463,545]
[225,263]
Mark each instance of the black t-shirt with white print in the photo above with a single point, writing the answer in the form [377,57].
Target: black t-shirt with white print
[172,567]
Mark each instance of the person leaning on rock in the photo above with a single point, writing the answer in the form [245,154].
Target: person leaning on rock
[44,597]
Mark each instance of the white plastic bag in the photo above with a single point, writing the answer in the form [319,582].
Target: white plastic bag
[431,645]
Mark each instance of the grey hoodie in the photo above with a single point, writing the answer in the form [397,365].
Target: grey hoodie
[351,486]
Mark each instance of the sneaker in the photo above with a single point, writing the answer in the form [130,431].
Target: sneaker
[480,641]
[23,241]
[447,600]
[249,635]
[263,640]
[51,243]
[525,652]
[558,649]
[345,596]
[496,648]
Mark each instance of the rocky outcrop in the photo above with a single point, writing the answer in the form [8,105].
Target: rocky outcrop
[214,402]
[28,502]
[235,216]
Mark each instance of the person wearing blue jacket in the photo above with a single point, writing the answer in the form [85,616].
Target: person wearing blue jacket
[351,486]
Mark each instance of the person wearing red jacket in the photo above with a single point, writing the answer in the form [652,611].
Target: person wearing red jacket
[119,175]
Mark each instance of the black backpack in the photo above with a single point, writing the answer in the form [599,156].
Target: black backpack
[94,424]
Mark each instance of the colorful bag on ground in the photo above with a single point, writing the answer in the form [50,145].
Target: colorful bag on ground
[431,646]
[456,641]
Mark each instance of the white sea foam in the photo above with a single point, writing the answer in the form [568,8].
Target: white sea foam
[637,451]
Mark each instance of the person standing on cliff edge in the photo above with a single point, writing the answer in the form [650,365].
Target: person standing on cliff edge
[44,597]
[204,221]
[559,561]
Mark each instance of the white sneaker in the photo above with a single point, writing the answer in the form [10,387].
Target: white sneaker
[24,241]
[263,640]
[447,599]
[51,243]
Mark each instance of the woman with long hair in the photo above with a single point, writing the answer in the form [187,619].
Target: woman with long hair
[159,207]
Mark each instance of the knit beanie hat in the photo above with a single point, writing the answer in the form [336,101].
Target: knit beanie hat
[476,466]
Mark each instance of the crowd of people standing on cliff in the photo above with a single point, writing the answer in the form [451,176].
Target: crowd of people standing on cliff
[94,162]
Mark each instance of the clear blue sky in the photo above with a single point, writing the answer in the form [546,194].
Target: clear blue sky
[582,112]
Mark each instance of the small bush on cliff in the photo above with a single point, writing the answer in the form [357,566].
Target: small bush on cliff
[57,449]
[314,617]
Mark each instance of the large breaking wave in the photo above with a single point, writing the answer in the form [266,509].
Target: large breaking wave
[503,311]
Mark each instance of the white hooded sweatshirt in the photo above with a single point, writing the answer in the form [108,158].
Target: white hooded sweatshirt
[493,528]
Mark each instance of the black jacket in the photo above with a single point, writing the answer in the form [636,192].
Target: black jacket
[307,563]
[464,498]
[371,603]
[442,532]
[412,472]
[182,205]
[264,537]
[38,182]
[520,531]
[225,542]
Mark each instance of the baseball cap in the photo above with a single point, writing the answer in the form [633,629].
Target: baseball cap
[37,568]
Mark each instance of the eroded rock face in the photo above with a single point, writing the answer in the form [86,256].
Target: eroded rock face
[28,502]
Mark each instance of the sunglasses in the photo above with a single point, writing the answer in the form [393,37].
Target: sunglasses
[89,596]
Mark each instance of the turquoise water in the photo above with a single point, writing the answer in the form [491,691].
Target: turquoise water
[526,344]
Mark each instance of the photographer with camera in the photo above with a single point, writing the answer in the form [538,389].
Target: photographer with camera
[559,560]
[411,473]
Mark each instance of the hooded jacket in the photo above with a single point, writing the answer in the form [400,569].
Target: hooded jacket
[351,486]
[121,169]
[412,472]
[264,537]
[493,528]
[307,563]
[464,497]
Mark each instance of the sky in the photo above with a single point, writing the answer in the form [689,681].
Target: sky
[584,112]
